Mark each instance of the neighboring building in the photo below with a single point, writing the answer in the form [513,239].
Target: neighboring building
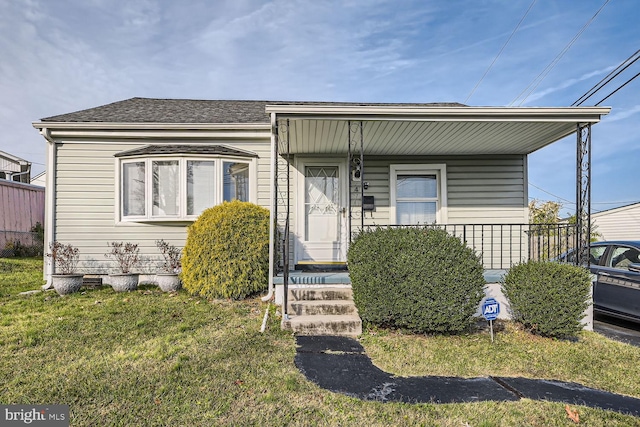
[40,179]
[14,168]
[621,223]
[21,208]
[143,169]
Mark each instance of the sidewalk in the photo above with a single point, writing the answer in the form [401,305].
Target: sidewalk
[340,364]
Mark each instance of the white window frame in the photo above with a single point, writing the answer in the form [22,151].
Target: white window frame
[182,185]
[437,169]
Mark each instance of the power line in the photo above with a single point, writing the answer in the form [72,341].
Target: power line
[613,74]
[619,87]
[573,203]
[551,194]
[496,58]
[543,74]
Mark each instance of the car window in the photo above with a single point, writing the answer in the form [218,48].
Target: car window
[622,256]
[595,255]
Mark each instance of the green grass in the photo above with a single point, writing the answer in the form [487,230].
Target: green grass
[19,275]
[150,358]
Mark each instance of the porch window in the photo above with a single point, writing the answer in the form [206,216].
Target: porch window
[417,193]
[180,188]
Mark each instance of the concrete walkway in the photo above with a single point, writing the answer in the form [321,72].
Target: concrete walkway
[339,364]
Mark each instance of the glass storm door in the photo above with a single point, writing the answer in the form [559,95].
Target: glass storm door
[323,214]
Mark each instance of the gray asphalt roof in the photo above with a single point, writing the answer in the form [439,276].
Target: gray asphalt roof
[185,149]
[152,110]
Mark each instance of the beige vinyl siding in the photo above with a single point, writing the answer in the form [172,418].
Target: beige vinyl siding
[618,224]
[480,189]
[85,202]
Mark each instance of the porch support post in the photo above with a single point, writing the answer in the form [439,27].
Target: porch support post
[349,178]
[273,205]
[361,177]
[356,166]
[583,194]
[283,190]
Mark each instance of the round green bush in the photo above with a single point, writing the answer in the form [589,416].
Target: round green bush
[548,298]
[417,278]
[227,251]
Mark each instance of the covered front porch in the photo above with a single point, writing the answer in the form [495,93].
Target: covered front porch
[337,169]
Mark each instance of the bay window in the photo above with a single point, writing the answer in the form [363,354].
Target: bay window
[165,189]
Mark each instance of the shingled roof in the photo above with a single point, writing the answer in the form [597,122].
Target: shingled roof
[185,149]
[151,110]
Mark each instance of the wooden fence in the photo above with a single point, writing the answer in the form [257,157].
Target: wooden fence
[21,208]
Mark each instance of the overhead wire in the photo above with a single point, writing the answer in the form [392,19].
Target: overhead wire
[551,194]
[613,74]
[543,74]
[619,87]
[573,203]
[500,52]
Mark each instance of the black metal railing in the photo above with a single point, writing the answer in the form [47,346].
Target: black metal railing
[502,245]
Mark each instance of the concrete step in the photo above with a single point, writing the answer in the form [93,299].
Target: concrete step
[323,293]
[343,325]
[327,307]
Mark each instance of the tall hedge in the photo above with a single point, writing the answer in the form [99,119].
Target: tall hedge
[548,298]
[227,251]
[420,279]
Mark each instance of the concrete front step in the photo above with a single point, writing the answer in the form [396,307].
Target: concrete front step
[322,310]
[326,307]
[343,325]
[320,293]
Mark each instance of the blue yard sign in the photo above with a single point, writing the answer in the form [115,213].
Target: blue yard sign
[490,309]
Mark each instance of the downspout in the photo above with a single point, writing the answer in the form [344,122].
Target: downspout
[50,202]
[12,174]
[272,201]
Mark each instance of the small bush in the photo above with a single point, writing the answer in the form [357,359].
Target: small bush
[421,279]
[18,249]
[171,255]
[227,251]
[548,298]
[126,254]
[65,257]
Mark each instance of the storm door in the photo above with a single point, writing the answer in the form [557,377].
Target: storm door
[322,227]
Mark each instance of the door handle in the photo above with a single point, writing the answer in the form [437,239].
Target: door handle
[604,274]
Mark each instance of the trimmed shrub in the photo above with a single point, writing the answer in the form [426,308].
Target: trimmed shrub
[418,278]
[548,298]
[227,251]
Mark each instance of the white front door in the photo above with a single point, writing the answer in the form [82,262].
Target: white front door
[322,228]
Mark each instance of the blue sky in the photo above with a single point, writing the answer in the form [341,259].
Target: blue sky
[61,56]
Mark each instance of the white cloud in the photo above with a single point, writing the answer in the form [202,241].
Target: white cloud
[622,114]
[568,83]
[58,57]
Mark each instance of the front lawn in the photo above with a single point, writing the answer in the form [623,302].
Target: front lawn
[151,358]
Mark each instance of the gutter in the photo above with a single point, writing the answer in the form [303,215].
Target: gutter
[458,114]
[150,125]
[50,202]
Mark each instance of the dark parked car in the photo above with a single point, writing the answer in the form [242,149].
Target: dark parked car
[616,291]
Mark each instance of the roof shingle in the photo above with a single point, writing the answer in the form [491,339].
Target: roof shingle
[152,110]
[185,149]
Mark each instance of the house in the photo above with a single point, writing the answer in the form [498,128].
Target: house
[622,223]
[14,168]
[141,169]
